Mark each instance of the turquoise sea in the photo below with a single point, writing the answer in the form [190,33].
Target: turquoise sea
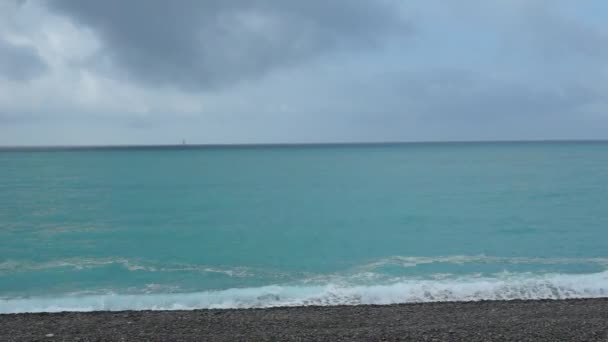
[190,227]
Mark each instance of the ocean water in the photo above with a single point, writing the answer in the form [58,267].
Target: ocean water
[233,227]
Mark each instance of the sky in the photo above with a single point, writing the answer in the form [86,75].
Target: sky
[88,72]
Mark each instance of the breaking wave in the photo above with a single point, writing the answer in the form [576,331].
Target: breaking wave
[505,286]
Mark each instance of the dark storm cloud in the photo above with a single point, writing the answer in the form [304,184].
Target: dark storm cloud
[206,44]
[19,62]
[234,71]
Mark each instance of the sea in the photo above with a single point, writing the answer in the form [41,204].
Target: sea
[193,227]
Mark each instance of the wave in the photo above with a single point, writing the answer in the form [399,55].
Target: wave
[413,261]
[401,261]
[504,286]
[10,266]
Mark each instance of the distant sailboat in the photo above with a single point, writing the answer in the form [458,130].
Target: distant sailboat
[184,142]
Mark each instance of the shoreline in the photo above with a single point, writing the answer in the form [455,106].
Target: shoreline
[512,320]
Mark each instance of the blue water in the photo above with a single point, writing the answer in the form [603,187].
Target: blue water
[172,228]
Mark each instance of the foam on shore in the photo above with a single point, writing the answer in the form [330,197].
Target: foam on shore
[501,287]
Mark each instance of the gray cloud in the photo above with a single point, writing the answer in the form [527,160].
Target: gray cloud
[475,98]
[20,62]
[559,37]
[205,44]
[156,71]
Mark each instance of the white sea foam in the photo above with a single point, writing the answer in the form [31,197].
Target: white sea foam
[413,261]
[130,265]
[400,261]
[501,287]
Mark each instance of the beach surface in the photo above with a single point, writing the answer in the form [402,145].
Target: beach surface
[536,320]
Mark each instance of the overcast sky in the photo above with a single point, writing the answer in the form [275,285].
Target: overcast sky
[265,71]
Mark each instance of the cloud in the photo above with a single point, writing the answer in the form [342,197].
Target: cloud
[209,44]
[557,37]
[477,98]
[20,62]
[246,71]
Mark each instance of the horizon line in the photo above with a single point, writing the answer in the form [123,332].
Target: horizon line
[288,144]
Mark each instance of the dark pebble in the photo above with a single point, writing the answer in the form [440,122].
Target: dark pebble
[540,320]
